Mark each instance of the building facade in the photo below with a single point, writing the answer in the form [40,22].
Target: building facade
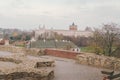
[73,31]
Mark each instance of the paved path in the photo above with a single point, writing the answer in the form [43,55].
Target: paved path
[66,69]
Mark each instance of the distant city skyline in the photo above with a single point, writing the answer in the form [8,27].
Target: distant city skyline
[58,14]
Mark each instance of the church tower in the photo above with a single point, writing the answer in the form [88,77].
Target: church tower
[73,27]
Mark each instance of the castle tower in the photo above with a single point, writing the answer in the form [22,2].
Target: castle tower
[73,27]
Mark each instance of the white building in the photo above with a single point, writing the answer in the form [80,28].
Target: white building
[73,31]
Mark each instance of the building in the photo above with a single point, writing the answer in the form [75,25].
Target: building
[54,44]
[73,27]
[73,31]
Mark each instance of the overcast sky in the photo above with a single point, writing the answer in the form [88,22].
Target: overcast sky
[58,14]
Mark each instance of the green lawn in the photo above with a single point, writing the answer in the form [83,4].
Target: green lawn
[20,45]
[87,49]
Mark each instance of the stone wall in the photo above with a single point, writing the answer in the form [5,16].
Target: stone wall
[21,65]
[26,76]
[29,51]
[90,59]
[99,61]
[10,60]
[82,58]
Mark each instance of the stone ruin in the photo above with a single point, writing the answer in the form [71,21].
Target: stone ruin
[18,66]
[99,61]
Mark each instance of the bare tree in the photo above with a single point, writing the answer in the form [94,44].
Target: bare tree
[106,38]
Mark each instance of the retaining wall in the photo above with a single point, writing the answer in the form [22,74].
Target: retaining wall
[61,53]
[99,61]
[90,59]
[82,58]
[29,51]
[26,76]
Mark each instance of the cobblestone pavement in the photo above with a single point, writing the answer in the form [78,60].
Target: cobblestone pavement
[66,69]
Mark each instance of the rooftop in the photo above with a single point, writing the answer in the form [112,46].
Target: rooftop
[53,44]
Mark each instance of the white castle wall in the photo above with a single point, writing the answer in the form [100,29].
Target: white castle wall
[63,32]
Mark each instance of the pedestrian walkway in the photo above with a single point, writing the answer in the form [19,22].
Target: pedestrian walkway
[67,69]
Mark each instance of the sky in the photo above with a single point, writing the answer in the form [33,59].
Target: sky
[58,14]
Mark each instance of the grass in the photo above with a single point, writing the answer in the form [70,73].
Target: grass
[87,49]
[20,45]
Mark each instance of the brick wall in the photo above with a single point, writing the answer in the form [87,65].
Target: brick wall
[61,53]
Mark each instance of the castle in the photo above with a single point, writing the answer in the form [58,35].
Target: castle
[73,31]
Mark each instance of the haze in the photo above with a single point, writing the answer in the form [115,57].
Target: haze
[58,14]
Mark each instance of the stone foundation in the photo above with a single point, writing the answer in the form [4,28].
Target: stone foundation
[22,65]
[99,61]
[82,58]
[26,76]
[28,51]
